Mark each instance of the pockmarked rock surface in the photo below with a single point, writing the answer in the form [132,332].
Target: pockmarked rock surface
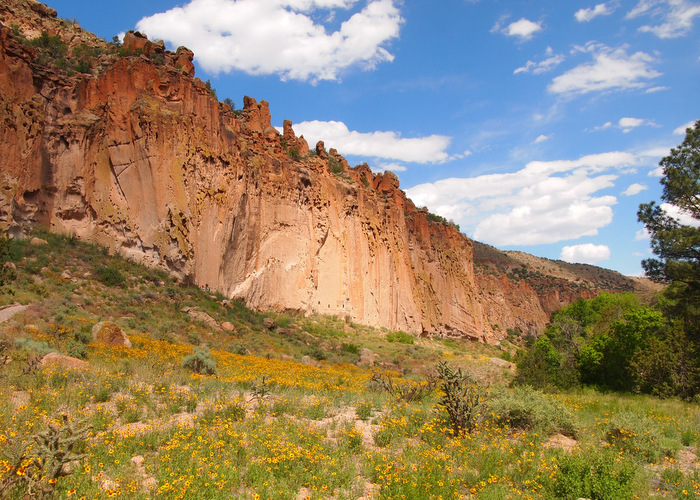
[137,155]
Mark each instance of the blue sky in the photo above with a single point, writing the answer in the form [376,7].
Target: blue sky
[535,125]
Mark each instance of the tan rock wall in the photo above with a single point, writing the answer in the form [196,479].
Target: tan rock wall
[142,159]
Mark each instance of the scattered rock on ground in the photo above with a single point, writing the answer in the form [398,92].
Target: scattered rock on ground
[562,442]
[269,323]
[204,318]
[37,241]
[367,357]
[228,326]
[55,359]
[502,363]
[106,332]
[307,360]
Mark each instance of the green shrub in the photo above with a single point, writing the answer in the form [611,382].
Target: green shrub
[39,347]
[592,474]
[526,408]
[640,436]
[200,361]
[335,166]
[76,349]
[400,337]
[364,410]
[383,437]
[83,335]
[351,348]
[110,276]
[43,461]
[194,339]
[7,275]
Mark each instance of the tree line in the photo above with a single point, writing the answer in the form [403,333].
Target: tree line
[612,341]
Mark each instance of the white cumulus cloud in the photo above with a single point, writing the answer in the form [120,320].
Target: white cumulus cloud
[544,202]
[680,215]
[523,28]
[585,15]
[630,122]
[587,253]
[676,16]
[611,69]
[681,130]
[635,188]
[262,37]
[384,144]
[642,235]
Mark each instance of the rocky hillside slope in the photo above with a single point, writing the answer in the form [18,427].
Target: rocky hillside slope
[125,147]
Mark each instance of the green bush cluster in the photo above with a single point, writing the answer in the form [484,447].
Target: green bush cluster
[527,409]
[110,276]
[612,342]
[400,337]
[640,436]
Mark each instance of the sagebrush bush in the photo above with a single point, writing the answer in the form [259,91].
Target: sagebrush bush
[640,436]
[39,347]
[76,349]
[200,361]
[526,408]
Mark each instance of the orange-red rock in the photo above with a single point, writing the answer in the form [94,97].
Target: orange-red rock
[138,156]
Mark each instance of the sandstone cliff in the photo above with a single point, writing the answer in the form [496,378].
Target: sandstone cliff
[126,148]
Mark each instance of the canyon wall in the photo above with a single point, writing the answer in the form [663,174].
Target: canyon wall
[133,152]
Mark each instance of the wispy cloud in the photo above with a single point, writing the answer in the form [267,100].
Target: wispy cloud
[676,16]
[610,70]
[544,202]
[388,145]
[550,61]
[587,253]
[279,37]
[585,15]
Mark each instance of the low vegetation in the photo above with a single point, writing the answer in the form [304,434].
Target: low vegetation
[239,415]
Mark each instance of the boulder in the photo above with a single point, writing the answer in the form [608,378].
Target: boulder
[204,318]
[108,333]
[227,326]
[269,323]
[38,241]
[55,359]
[367,357]
[309,361]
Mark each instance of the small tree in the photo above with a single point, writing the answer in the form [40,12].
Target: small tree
[677,243]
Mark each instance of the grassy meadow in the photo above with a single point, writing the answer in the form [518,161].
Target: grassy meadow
[296,407]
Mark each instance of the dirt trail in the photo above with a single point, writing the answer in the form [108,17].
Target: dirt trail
[9,311]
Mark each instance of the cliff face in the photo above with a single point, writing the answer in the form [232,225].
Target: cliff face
[138,156]
[133,152]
